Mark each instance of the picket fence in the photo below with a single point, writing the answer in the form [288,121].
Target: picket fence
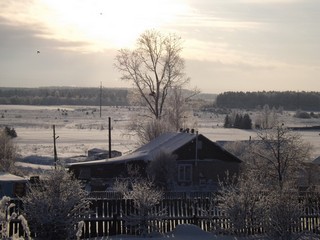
[109,214]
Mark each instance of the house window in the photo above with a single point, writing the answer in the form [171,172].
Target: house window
[185,173]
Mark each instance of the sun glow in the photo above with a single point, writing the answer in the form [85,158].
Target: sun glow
[104,23]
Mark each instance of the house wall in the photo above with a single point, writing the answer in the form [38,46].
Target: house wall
[208,171]
[216,170]
[206,150]
[104,170]
[12,189]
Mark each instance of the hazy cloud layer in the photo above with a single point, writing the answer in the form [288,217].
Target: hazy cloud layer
[228,45]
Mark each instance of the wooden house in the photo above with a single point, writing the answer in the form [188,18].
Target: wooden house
[199,162]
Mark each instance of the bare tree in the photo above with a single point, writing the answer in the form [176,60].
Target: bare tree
[149,129]
[267,118]
[278,155]
[178,110]
[154,67]
[266,195]
[241,149]
[177,115]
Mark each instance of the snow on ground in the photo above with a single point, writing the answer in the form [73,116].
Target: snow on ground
[182,232]
[80,128]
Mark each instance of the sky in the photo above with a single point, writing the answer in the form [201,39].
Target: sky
[228,45]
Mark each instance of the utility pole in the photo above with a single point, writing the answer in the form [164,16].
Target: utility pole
[196,156]
[100,97]
[109,137]
[54,146]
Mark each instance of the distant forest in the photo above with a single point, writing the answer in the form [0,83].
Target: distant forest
[64,96]
[289,100]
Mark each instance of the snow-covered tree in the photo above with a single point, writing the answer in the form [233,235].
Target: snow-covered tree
[153,67]
[278,154]
[267,118]
[54,205]
[266,194]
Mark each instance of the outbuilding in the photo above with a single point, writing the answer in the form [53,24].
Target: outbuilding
[12,185]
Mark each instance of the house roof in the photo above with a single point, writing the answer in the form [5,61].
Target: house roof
[7,177]
[168,142]
[317,160]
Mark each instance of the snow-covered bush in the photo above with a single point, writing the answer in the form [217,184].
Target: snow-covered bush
[244,203]
[54,205]
[283,214]
[145,198]
[6,218]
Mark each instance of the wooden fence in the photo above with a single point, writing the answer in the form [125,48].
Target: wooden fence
[109,215]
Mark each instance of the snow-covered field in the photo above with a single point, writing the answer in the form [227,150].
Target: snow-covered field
[81,128]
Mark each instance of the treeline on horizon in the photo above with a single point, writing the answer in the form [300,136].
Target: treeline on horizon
[64,96]
[288,100]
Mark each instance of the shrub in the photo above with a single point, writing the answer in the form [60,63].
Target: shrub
[11,132]
[145,197]
[53,205]
[301,114]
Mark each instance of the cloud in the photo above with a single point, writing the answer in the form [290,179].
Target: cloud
[268,2]
[57,63]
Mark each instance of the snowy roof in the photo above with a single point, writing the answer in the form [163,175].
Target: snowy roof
[168,142]
[317,160]
[6,177]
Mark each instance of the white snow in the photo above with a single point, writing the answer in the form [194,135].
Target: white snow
[182,232]
[10,177]
[80,128]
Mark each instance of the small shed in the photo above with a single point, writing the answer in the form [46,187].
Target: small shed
[98,153]
[12,185]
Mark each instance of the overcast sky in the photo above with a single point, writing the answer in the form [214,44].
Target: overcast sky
[229,45]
